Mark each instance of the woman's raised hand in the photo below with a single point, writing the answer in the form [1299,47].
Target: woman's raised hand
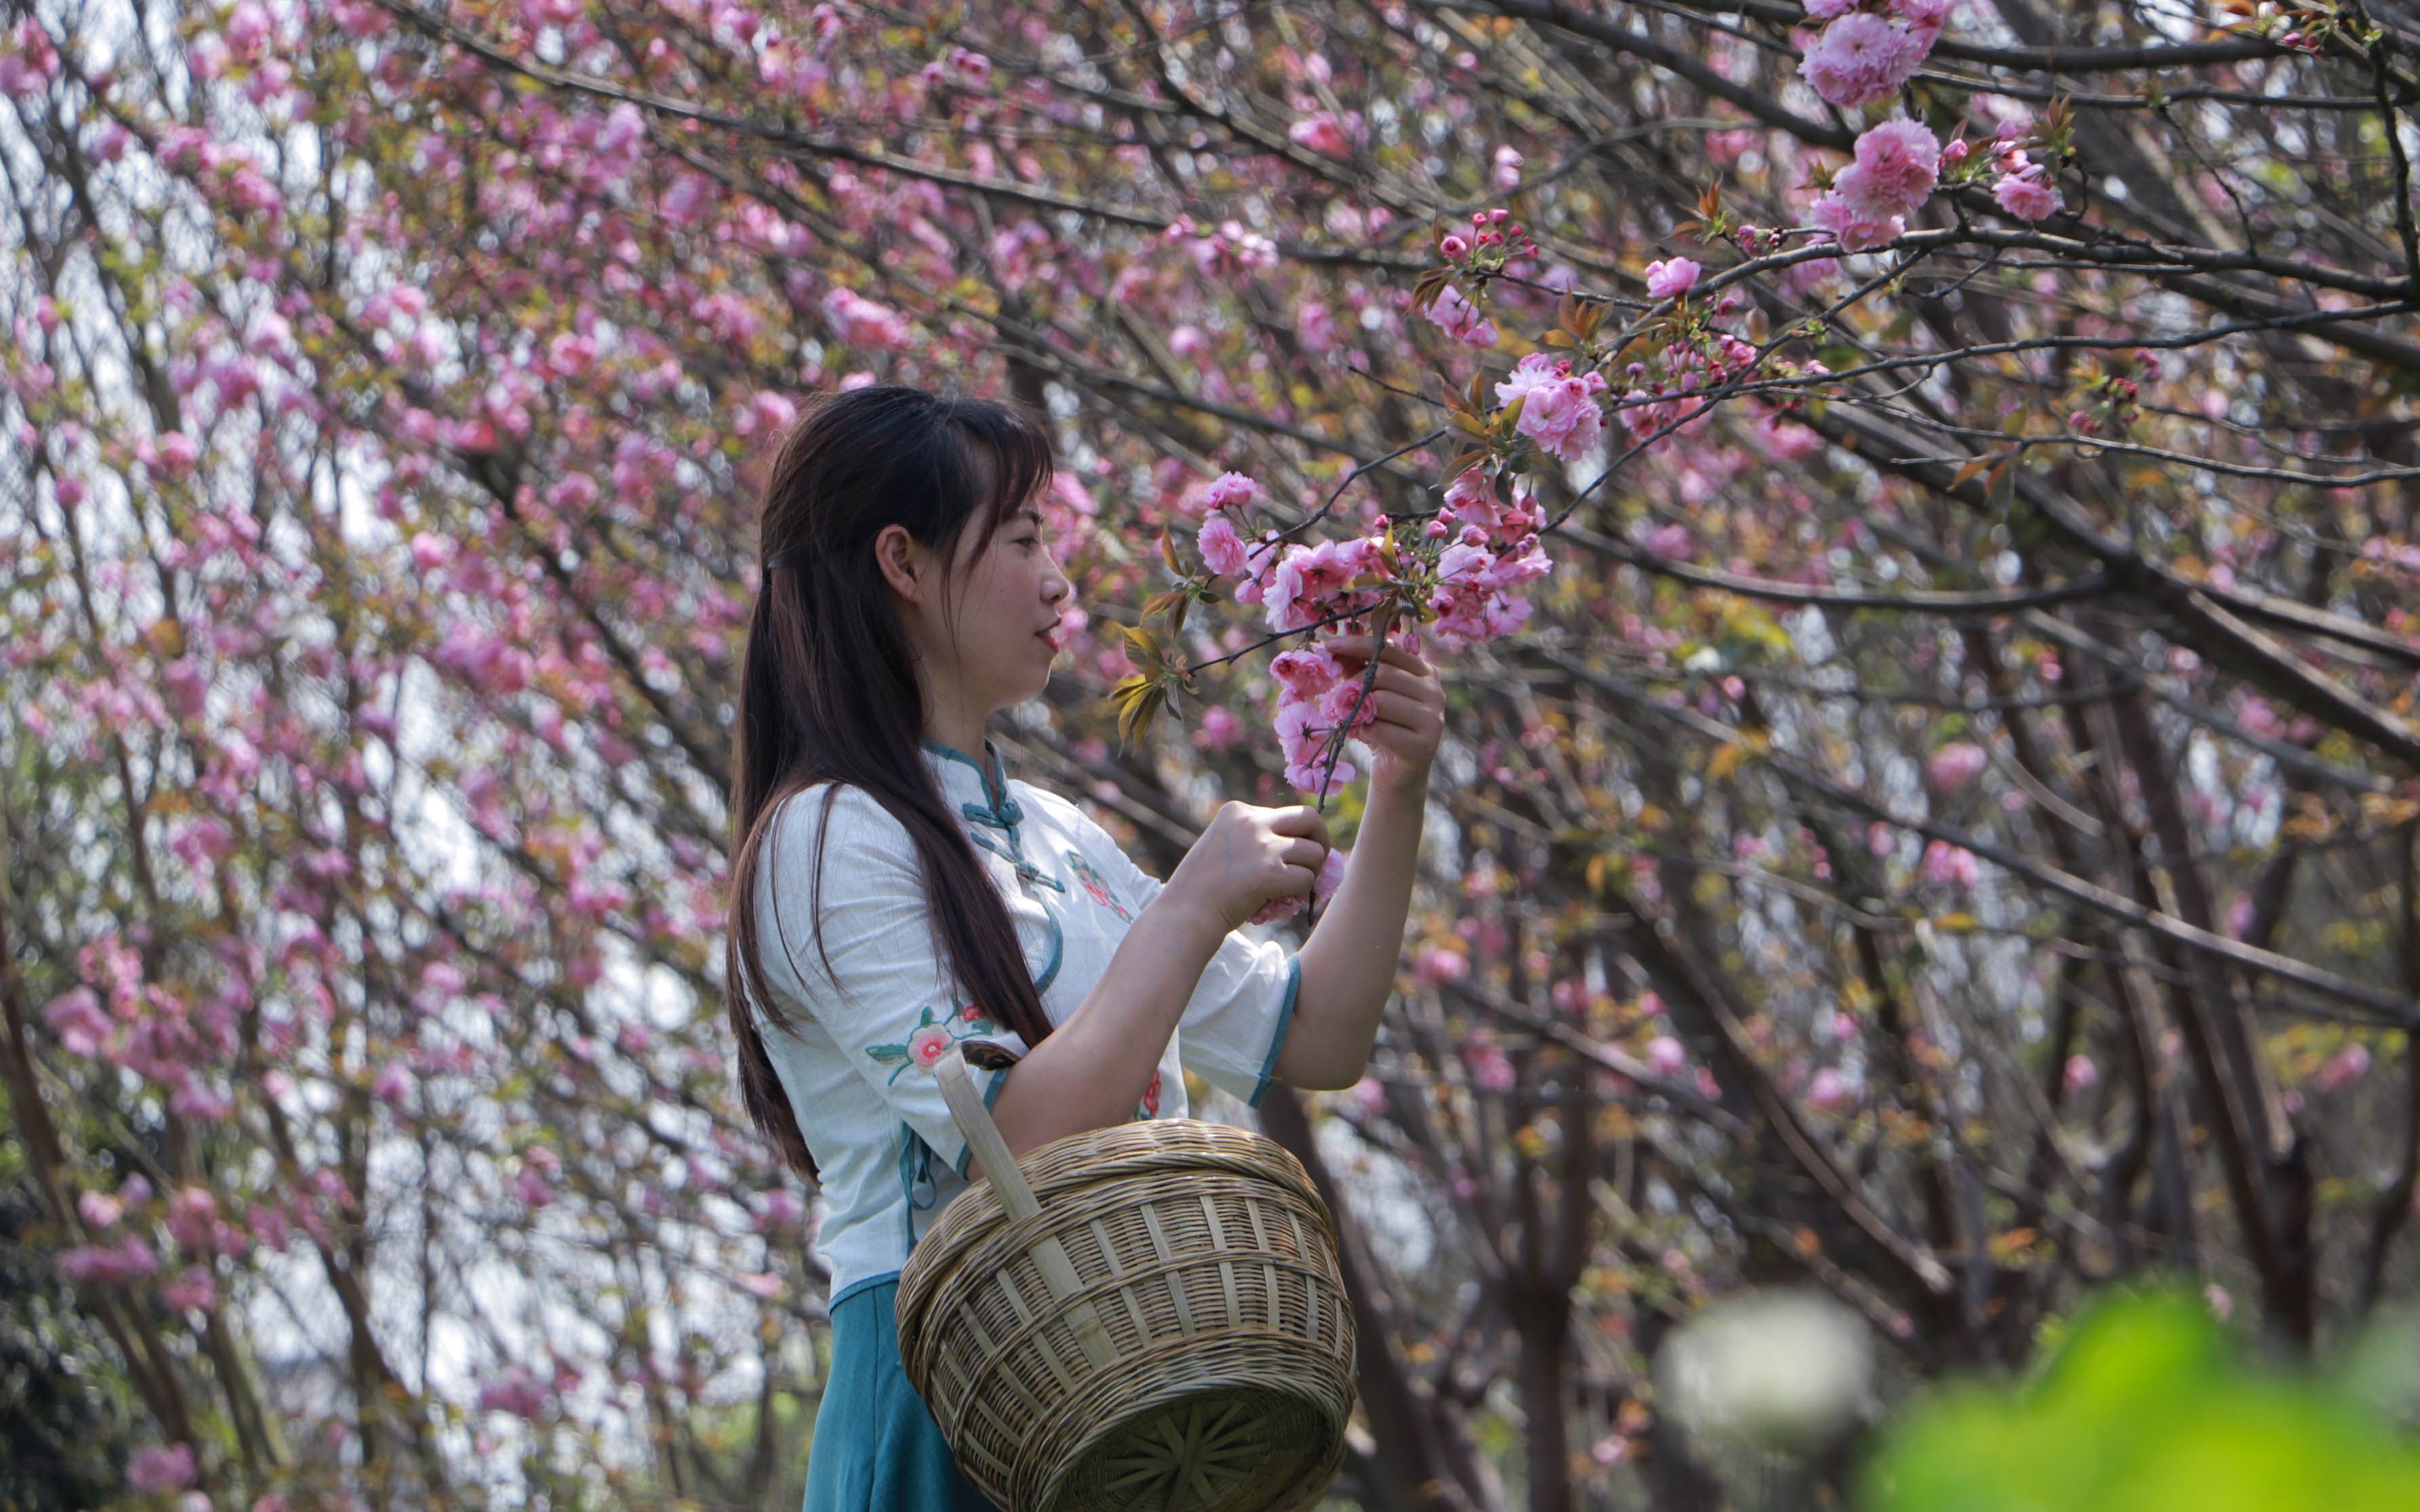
[1247,856]
[1407,700]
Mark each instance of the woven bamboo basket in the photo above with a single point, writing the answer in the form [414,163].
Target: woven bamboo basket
[1147,1318]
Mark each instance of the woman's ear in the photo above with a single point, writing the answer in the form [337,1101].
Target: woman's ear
[902,558]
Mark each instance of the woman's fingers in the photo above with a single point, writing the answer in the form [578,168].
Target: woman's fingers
[1300,820]
[1408,710]
[1356,648]
[1307,854]
[1396,680]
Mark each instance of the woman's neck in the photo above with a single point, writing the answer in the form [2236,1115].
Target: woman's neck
[963,734]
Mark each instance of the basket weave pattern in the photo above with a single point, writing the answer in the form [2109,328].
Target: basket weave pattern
[1203,1360]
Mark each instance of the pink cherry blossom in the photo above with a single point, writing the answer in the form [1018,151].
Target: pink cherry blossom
[193,1291]
[1490,1069]
[192,1217]
[1321,133]
[1665,1055]
[1304,675]
[1460,319]
[157,1470]
[516,1390]
[1229,491]
[392,1083]
[1432,964]
[2028,194]
[1955,764]
[109,1265]
[2341,1070]
[29,60]
[1223,549]
[860,322]
[1671,278]
[1855,231]
[1862,58]
[1559,409]
[76,1016]
[1948,865]
[1311,583]
[1303,739]
[1219,730]
[1897,165]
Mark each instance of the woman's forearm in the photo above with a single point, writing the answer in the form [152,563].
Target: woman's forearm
[1094,1068]
[1349,962]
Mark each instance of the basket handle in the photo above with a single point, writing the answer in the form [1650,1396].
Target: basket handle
[983,1136]
[1018,1200]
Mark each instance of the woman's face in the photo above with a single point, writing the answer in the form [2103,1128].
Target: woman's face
[993,643]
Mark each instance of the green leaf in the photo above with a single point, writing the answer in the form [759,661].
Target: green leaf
[1136,716]
[1142,645]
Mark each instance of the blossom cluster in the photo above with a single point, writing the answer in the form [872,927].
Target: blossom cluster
[28,60]
[2023,189]
[1460,572]
[1662,392]
[1864,54]
[1558,408]
[1867,54]
[1898,164]
[1495,236]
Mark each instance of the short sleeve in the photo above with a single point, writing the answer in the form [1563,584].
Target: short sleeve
[888,1001]
[1235,1023]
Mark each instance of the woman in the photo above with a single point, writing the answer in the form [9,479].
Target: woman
[915,901]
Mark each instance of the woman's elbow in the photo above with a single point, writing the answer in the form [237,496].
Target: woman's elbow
[1314,1070]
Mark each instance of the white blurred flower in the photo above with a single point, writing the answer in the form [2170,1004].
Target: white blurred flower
[1781,1371]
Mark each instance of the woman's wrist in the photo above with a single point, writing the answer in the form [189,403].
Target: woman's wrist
[1193,919]
[1401,783]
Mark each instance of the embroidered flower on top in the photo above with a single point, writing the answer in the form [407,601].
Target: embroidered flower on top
[933,1038]
[1150,1108]
[1097,886]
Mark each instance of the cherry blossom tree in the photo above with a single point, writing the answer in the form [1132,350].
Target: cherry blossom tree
[1915,504]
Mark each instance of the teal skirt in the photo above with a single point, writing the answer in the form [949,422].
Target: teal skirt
[876,1447]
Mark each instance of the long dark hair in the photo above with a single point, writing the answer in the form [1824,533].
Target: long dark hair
[828,689]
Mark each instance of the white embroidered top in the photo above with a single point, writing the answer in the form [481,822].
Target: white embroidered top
[853,1062]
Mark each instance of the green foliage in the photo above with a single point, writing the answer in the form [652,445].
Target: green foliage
[2146,1407]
